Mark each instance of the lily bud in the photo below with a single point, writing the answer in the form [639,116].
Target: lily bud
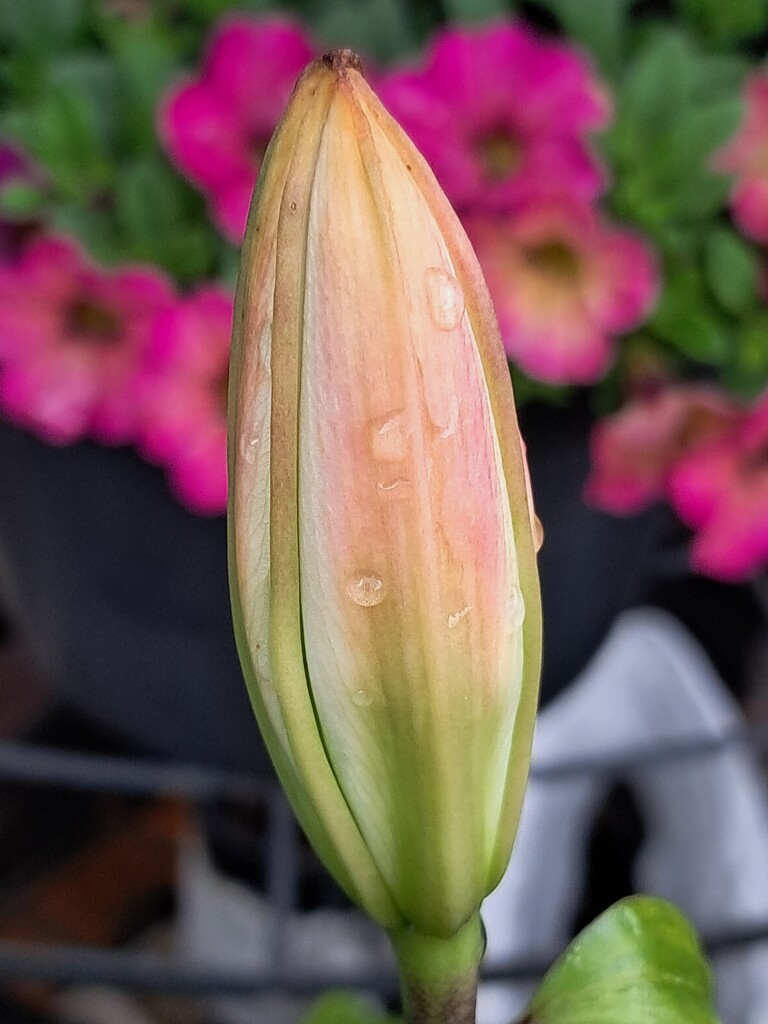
[382,550]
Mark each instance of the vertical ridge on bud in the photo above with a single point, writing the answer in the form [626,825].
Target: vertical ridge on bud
[263,543]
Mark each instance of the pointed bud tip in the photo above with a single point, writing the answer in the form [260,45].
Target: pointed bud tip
[342,60]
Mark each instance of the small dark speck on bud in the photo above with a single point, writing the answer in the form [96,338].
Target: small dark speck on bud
[342,60]
[293,206]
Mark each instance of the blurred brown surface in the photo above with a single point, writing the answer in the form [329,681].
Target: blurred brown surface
[75,867]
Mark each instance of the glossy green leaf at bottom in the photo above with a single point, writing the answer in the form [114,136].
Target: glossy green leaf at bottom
[639,963]
[345,1008]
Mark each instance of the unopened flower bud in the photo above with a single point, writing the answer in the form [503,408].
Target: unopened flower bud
[381,533]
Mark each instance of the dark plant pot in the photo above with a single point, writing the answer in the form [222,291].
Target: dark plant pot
[123,594]
[591,563]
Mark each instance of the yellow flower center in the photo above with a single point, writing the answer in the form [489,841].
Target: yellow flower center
[88,321]
[555,259]
[501,154]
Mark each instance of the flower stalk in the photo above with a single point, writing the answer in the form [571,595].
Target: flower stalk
[439,976]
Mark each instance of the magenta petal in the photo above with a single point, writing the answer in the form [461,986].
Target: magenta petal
[552,165]
[698,482]
[174,411]
[203,135]
[199,478]
[750,207]
[560,352]
[230,205]
[253,64]
[733,547]
[628,284]
[471,70]
[561,91]
[53,398]
[191,338]
[51,264]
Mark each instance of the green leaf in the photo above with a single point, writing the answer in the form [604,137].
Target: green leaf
[95,229]
[381,29]
[732,270]
[475,10]
[210,9]
[345,1008]
[639,963]
[21,201]
[527,389]
[58,131]
[89,81]
[599,25]
[748,374]
[146,62]
[160,221]
[726,22]
[685,320]
[656,88]
[41,25]
[676,107]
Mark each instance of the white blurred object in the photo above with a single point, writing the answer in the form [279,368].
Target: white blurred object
[706,818]
[222,922]
[97,1005]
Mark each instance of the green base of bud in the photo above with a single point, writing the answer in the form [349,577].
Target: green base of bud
[439,976]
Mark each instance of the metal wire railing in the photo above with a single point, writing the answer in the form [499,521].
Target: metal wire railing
[149,972]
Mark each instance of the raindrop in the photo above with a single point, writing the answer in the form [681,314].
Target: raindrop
[361,699]
[453,420]
[366,591]
[389,437]
[265,346]
[249,448]
[455,617]
[394,489]
[261,662]
[516,607]
[445,298]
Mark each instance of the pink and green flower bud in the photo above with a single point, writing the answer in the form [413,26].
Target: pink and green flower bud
[382,539]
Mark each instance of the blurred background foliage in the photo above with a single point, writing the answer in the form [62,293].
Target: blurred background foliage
[80,82]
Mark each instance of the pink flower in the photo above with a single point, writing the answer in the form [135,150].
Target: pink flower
[184,398]
[746,156]
[721,491]
[71,336]
[497,111]
[564,283]
[217,126]
[634,450]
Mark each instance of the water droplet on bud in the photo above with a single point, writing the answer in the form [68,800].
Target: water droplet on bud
[445,298]
[453,420]
[516,607]
[389,437]
[261,662]
[366,591]
[249,448]
[394,490]
[361,699]
[455,617]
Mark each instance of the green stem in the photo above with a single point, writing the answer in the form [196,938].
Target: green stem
[439,976]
